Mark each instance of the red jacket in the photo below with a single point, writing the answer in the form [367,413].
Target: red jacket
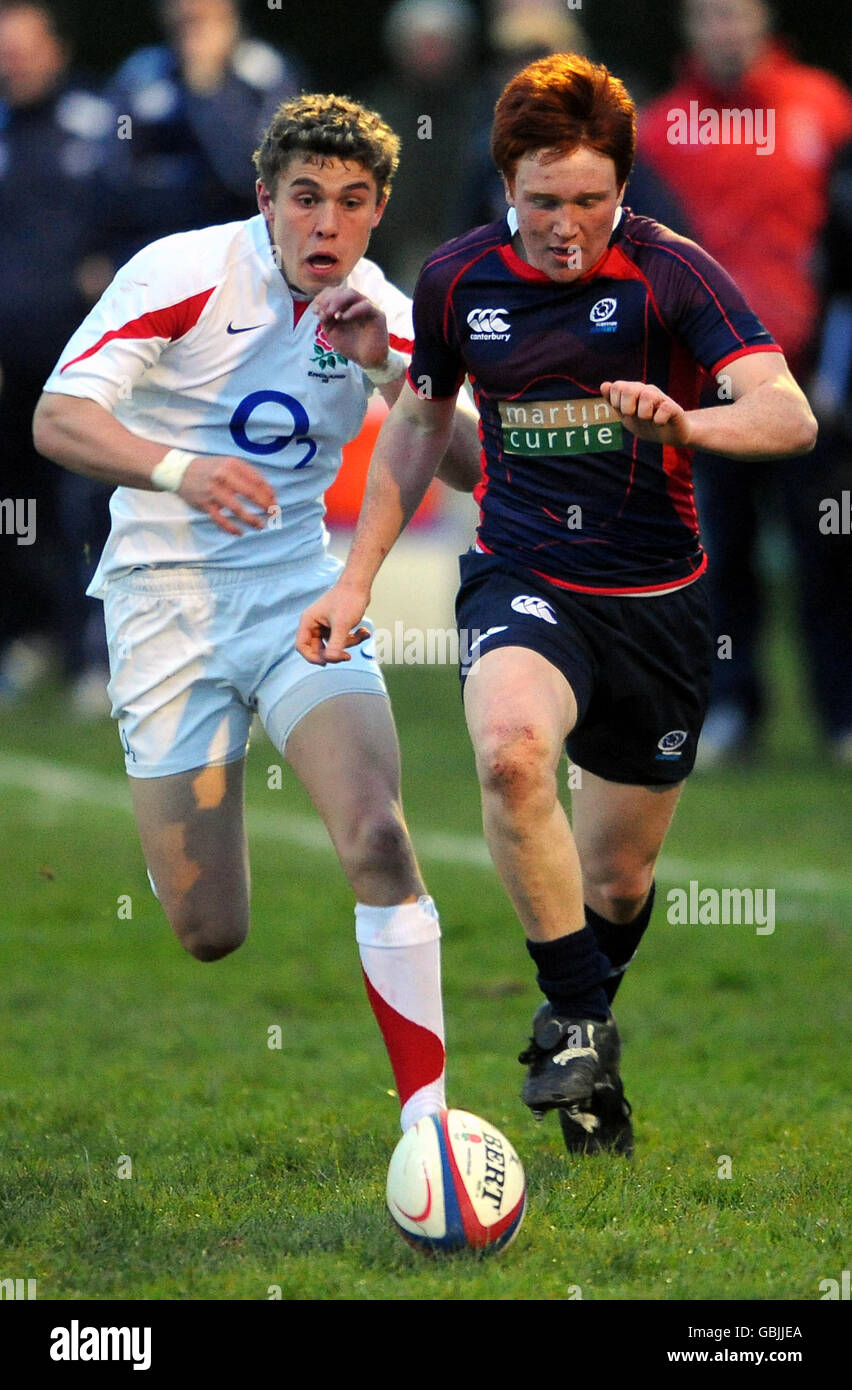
[759,214]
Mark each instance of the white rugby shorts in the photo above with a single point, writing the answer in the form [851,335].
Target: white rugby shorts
[195,652]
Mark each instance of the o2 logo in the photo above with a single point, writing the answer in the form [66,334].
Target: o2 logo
[298,436]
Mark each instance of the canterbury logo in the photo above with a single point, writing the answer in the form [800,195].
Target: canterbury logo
[535,607]
[488,323]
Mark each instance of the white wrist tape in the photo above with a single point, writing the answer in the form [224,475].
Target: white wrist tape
[167,475]
[394,366]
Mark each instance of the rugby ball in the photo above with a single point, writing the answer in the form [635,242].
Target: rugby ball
[456,1183]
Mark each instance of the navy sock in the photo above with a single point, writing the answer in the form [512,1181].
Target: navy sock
[571,974]
[620,942]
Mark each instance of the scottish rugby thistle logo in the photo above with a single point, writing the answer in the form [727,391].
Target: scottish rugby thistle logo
[601,316]
[671,745]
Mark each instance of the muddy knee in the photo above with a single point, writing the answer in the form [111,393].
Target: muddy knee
[516,768]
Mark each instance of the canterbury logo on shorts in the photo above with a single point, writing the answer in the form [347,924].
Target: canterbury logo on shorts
[545,428]
[534,607]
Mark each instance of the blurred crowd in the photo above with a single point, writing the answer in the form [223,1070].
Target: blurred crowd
[90,172]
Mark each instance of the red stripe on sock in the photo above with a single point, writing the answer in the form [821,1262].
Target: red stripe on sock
[416,1053]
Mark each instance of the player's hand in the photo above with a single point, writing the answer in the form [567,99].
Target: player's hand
[332,624]
[228,485]
[647,412]
[354,325]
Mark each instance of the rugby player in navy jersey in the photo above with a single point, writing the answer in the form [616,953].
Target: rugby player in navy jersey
[585,332]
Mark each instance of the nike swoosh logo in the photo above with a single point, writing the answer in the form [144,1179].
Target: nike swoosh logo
[250,329]
[490,633]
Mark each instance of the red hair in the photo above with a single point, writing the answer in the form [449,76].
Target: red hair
[560,104]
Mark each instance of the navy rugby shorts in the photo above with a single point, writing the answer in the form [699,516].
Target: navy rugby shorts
[639,668]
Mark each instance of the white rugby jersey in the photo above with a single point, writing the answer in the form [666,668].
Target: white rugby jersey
[199,344]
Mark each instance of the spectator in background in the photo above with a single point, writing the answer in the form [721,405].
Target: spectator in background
[518,34]
[831,398]
[428,97]
[832,386]
[198,105]
[760,212]
[57,137]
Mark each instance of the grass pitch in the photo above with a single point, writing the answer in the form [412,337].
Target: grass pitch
[156,1147]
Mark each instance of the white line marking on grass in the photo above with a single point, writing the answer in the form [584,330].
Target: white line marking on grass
[75,785]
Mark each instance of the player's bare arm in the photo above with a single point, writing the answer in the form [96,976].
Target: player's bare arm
[768,416]
[411,443]
[461,466]
[81,435]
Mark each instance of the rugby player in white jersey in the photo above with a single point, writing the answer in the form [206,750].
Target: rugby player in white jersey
[215,384]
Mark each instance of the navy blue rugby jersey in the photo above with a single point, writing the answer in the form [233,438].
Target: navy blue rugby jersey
[566,491]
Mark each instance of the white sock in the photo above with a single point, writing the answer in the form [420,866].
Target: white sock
[400,950]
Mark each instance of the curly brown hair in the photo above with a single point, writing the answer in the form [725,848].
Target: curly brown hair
[559,104]
[332,126]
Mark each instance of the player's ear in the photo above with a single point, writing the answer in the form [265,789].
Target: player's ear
[264,199]
[380,211]
[509,190]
